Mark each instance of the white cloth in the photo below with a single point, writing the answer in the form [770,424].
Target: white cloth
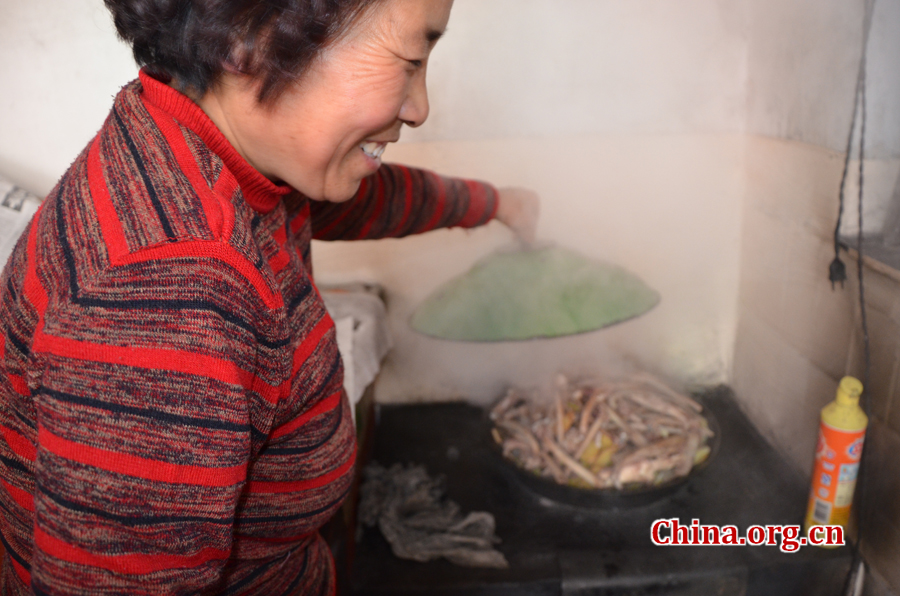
[363,334]
[16,208]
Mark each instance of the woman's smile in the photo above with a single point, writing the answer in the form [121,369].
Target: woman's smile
[329,130]
[373,150]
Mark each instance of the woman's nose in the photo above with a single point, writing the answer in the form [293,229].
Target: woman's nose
[414,110]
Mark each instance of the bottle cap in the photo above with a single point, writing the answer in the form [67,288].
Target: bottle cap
[849,391]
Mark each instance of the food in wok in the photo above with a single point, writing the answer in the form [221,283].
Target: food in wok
[603,433]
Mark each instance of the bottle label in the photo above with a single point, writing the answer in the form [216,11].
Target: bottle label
[843,495]
[834,476]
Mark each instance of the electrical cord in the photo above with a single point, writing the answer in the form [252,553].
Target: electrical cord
[837,271]
[855,580]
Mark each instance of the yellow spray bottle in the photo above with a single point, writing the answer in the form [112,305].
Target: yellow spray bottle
[841,435]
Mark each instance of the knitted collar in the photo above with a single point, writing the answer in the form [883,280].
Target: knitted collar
[260,193]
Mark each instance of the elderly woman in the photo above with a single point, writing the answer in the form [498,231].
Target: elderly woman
[170,386]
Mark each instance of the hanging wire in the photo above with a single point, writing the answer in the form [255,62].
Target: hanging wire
[837,272]
[855,580]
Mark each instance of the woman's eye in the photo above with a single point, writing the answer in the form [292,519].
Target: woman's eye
[415,63]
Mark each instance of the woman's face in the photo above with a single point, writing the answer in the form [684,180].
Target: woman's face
[328,130]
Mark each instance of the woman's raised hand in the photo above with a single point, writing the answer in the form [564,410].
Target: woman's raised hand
[518,209]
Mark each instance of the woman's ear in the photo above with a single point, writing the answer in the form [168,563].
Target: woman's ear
[240,60]
[236,63]
[231,68]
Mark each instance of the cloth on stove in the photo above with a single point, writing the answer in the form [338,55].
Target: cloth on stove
[408,507]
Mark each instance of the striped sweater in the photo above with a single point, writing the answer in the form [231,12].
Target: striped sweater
[171,408]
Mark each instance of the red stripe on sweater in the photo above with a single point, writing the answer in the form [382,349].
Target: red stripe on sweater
[323,407]
[260,486]
[225,187]
[441,203]
[19,444]
[376,213]
[279,261]
[212,249]
[360,194]
[219,216]
[162,359]
[31,287]
[140,467]
[24,499]
[407,200]
[137,564]
[19,385]
[212,204]
[282,257]
[305,349]
[477,205]
[157,359]
[279,235]
[23,573]
[110,226]
[301,218]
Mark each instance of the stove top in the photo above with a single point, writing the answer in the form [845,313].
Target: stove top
[558,549]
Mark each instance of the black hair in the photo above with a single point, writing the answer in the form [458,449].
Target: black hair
[194,41]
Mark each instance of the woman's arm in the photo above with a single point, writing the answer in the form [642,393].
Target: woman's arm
[143,429]
[397,201]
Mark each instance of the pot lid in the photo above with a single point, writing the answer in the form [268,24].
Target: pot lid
[533,293]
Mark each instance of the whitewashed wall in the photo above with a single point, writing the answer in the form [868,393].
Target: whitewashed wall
[60,67]
[884,80]
[508,68]
[804,58]
[513,68]
[803,61]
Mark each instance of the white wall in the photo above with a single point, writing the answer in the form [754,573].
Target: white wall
[802,70]
[884,80]
[803,62]
[60,67]
[804,57]
[793,328]
[512,68]
[507,68]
